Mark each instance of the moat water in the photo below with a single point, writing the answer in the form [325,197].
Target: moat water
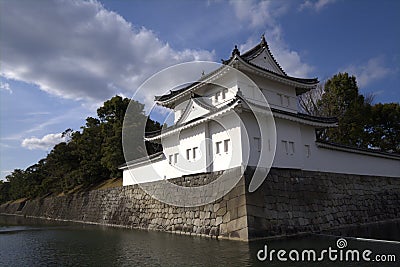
[35,242]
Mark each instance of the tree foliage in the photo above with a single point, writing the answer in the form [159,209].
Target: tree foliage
[87,157]
[383,128]
[360,123]
[341,99]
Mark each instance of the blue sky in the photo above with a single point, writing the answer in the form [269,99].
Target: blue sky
[59,60]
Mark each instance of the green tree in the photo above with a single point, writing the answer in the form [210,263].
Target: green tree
[61,162]
[384,127]
[341,99]
[4,191]
[89,152]
[87,156]
[134,125]
[153,147]
[18,184]
[111,116]
[35,175]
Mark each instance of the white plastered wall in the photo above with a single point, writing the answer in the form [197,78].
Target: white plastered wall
[329,160]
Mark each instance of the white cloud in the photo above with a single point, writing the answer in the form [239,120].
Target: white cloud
[5,86]
[373,70]
[291,61]
[80,50]
[38,113]
[315,5]
[45,143]
[35,125]
[264,15]
[258,13]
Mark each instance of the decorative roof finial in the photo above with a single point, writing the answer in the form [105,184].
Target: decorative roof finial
[263,42]
[235,51]
[239,92]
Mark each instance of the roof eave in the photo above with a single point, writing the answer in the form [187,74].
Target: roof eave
[168,131]
[203,81]
[369,152]
[296,82]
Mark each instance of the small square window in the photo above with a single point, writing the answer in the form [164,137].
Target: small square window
[308,151]
[218,147]
[195,152]
[287,100]
[188,154]
[285,147]
[217,96]
[226,145]
[291,146]
[224,92]
[281,98]
[257,143]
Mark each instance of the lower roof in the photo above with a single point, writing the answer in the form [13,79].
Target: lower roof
[358,150]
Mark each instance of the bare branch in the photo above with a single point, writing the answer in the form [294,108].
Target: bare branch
[308,101]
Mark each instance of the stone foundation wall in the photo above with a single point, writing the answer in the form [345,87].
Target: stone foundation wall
[131,207]
[294,201]
[288,202]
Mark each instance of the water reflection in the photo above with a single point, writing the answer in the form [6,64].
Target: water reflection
[30,242]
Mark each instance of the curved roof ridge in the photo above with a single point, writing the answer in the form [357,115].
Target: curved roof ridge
[196,99]
[258,49]
[228,104]
[202,80]
[302,80]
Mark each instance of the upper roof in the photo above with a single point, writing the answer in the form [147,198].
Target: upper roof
[261,57]
[258,58]
[257,51]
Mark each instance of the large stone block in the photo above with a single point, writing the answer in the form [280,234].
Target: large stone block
[222,211]
[227,217]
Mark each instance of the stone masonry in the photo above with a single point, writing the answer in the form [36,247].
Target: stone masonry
[295,201]
[288,202]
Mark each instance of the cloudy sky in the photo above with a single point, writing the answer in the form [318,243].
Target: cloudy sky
[59,60]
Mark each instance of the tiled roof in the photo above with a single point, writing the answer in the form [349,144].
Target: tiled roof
[175,126]
[153,157]
[196,99]
[237,98]
[368,151]
[175,92]
[300,80]
[306,116]
[246,57]
[258,49]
